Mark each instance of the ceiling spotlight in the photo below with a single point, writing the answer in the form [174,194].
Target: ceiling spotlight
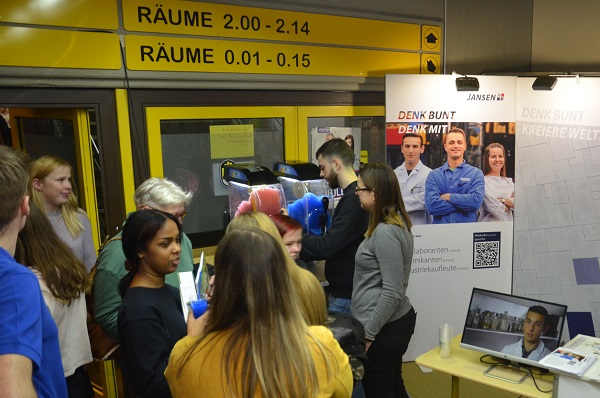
[544,83]
[467,83]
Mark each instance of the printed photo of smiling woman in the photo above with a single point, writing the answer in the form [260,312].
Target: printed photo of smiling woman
[499,197]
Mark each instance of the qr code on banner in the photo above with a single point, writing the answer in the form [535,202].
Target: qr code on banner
[486,250]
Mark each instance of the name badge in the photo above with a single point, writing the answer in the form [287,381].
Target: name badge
[465,179]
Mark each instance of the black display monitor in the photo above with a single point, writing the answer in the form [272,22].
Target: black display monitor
[498,323]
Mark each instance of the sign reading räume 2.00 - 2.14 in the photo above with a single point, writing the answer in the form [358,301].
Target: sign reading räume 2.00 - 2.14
[221,20]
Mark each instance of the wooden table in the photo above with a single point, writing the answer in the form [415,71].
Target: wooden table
[464,364]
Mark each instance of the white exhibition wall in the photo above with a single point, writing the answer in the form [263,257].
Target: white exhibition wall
[557,224]
[557,190]
[444,270]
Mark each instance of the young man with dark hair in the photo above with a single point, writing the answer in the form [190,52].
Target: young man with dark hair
[412,175]
[454,192]
[531,345]
[30,361]
[349,223]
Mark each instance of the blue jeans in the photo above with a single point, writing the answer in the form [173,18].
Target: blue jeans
[339,305]
[358,391]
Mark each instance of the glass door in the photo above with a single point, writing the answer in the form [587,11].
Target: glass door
[64,133]
[189,145]
[362,126]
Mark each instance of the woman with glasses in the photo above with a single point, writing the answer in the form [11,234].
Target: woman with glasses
[51,189]
[381,275]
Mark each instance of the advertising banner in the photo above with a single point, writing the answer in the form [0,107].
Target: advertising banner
[453,152]
[557,232]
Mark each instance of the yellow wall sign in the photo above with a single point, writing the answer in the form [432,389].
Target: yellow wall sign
[431,38]
[58,48]
[73,13]
[431,64]
[220,20]
[231,141]
[160,53]
[364,156]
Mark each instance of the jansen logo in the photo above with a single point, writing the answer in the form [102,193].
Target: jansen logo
[486,97]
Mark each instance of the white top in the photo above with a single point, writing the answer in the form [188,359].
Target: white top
[412,188]
[71,321]
[516,350]
[492,208]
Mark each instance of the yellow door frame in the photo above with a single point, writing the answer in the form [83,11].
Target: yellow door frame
[125,148]
[83,153]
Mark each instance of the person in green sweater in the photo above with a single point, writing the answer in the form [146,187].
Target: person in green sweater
[154,193]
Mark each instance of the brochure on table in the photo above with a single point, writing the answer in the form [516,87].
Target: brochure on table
[566,360]
[450,259]
[578,357]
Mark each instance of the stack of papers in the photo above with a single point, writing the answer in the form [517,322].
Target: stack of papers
[575,357]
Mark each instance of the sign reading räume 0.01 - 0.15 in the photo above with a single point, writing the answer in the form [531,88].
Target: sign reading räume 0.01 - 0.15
[233,56]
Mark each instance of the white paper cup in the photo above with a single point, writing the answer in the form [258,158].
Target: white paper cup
[446,332]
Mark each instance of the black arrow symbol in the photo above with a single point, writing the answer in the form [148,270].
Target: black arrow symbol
[431,38]
[431,66]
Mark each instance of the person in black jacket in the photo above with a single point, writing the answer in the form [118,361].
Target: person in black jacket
[349,223]
[5,137]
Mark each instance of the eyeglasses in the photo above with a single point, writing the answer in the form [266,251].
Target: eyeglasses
[358,189]
[181,215]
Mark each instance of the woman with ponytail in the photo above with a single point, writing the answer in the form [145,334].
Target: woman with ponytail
[383,262]
[150,319]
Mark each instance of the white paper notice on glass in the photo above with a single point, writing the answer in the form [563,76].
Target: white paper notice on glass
[187,291]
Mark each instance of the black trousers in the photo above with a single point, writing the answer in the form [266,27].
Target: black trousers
[383,372]
[79,384]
